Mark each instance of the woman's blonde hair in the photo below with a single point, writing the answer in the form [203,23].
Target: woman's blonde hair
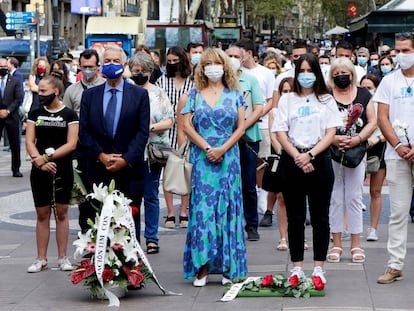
[272,58]
[215,55]
[36,63]
[343,63]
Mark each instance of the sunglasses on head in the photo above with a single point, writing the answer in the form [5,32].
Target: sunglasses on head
[404,35]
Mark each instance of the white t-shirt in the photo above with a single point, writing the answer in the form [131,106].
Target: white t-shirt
[287,74]
[360,72]
[306,119]
[392,91]
[266,81]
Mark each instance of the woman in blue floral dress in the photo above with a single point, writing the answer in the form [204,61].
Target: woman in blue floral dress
[215,240]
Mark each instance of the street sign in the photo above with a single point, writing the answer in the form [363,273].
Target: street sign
[13,14]
[20,20]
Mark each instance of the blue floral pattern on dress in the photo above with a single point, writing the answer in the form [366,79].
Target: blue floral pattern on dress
[215,233]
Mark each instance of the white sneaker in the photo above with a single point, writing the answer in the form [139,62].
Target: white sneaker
[37,265]
[297,271]
[372,234]
[64,264]
[262,202]
[318,271]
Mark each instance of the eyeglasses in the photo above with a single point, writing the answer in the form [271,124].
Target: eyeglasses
[144,72]
[404,35]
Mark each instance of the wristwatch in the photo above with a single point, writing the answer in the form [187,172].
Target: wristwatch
[312,157]
[50,152]
[152,128]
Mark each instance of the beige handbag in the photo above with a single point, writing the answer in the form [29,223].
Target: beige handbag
[177,171]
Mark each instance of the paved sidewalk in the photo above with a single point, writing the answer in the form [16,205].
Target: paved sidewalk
[350,286]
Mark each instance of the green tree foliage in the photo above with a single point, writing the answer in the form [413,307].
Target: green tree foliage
[267,8]
[336,11]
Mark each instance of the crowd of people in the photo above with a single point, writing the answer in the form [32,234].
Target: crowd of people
[267,129]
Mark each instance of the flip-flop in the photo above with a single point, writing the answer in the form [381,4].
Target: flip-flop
[282,246]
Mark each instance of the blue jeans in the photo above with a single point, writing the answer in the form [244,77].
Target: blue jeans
[248,162]
[151,202]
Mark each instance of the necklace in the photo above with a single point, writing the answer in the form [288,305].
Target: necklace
[409,87]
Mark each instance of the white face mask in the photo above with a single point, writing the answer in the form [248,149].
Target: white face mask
[235,63]
[214,72]
[405,61]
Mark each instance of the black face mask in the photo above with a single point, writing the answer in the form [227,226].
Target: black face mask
[139,78]
[171,70]
[342,81]
[4,71]
[47,100]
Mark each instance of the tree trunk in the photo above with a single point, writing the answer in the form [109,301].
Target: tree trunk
[192,11]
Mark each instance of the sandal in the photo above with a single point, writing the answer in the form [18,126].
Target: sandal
[170,222]
[282,246]
[183,221]
[334,254]
[358,255]
[152,248]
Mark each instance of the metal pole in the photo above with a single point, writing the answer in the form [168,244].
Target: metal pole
[32,50]
[83,30]
[55,31]
[37,31]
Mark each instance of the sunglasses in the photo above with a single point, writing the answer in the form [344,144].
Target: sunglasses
[404,35]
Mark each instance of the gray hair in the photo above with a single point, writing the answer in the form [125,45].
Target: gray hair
[345,64]
[363,50]
[142,59]
[116,48]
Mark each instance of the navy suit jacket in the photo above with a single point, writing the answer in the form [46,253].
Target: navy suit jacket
[19,76]
[12,97]
[130,138]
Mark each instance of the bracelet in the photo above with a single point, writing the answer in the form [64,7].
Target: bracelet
[397,146]
[360,139]
[207,148]
[45,158]
[312,157]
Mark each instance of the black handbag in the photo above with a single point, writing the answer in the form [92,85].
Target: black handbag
[351,157]
[158,153]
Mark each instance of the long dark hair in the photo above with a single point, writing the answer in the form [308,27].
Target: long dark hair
[319,88]
[184,67]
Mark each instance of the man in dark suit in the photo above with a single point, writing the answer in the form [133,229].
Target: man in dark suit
[11,98]
[114,129]
[13,63]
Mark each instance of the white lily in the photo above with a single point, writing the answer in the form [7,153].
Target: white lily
[82,242]
[99,193]
[130,253]
[111,258]
[119,237]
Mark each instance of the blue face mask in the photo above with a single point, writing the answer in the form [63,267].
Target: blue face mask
[195,58]
[112,71]
[394,59]
[374,63]
[362,61]
[386,69]
[306,79]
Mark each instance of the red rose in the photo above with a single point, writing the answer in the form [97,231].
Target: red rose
[267,280]
[107,275]
[134,210]
[294,280]
[317,283]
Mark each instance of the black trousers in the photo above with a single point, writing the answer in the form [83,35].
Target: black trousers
[132,188]
[317,188]
[11,124]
